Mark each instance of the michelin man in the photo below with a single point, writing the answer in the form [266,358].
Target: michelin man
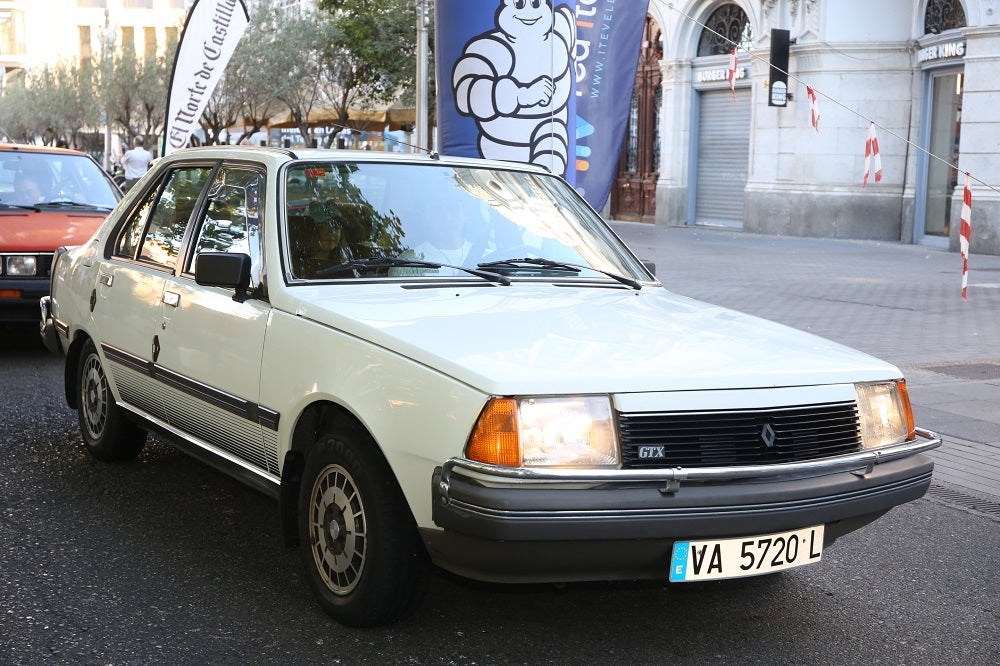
[516,82]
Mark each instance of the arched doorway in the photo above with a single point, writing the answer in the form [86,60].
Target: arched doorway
[633,195]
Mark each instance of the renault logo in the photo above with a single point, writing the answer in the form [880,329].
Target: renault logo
[768,435]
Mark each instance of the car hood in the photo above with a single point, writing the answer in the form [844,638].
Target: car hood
[31,231]
[544,338]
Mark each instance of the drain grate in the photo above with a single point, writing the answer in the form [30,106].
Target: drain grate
[971,371]
[964,501]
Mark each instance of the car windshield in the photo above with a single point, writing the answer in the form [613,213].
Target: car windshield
[58,179]
[367,220]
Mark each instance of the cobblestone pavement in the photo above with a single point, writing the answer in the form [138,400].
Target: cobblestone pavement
[899,302]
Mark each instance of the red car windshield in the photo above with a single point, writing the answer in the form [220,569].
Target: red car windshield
[30,178]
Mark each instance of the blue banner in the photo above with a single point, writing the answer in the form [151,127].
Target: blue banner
[541,83]
[608,38]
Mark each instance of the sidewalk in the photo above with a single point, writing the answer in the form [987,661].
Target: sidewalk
[901,303]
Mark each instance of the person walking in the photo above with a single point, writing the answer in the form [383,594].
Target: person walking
[135,162]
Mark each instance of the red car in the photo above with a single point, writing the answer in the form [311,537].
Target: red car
[49,197]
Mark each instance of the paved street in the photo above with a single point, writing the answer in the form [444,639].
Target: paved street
[901,303]
[164,560]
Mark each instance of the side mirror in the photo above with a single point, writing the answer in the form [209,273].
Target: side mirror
[224,269]
[650,266]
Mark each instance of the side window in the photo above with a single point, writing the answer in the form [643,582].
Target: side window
[131,235]
[232,220]
[168,220]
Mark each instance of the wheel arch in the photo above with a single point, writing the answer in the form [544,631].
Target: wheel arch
[71,367]
[316,419]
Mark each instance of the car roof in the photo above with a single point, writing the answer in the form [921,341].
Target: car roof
[346,155]
[32,148]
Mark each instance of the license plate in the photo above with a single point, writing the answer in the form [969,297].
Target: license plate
[745,556]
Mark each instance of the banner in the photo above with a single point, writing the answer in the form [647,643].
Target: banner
[211,32]
[609,36]
[505,80]
[539,82]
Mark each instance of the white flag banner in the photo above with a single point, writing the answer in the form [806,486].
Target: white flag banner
[211,32]
[732,71]
[813,108]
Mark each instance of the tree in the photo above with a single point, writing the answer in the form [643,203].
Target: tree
[53,103]
[370,59]
[135,96]
[252,81]
[300,61]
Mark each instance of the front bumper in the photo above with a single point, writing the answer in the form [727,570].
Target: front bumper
[48,327]
[21,308]
[523,526]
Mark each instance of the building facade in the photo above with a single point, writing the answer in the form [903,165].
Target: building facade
[925,72]
[35,33]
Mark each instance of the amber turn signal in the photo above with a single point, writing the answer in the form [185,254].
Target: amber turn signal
[904,398]
[495,440]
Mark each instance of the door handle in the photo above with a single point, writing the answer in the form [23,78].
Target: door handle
[171,298]
[106,279]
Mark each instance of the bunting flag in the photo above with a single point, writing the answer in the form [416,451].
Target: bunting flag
[872,157]
[965,234]
[813,108]
[732,71]
[211,32]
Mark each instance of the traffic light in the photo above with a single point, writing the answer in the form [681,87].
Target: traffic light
[778,91]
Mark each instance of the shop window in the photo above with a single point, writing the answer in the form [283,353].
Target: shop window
[149,42]
[85,50]
[943,15]
[128,38]
[12,32]
[727,25]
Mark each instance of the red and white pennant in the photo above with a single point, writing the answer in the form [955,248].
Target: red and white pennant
[732,71]
[965,233]
[872,157]
[813,108]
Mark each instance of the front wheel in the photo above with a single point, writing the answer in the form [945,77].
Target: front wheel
[359,542]
[107,434]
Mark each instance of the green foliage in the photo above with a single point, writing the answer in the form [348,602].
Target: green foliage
[52,104]
[350,54]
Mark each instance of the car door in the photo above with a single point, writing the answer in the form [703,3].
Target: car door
[210,343]
[130,282]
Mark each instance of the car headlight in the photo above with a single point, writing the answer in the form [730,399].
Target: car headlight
[886,415]
[21,265]
[574,431]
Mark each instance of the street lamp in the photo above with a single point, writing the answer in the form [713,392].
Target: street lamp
[108,37]
[420,133]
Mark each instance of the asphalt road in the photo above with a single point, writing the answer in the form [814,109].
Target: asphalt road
[163,560]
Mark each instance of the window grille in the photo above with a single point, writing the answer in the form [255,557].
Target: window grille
[726,26]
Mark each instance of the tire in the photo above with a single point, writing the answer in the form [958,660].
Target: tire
[107,434]
[371,569]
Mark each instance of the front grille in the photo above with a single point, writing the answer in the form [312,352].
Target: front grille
[739,437]
[45,264]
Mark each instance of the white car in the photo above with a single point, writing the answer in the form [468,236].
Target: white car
[449,361]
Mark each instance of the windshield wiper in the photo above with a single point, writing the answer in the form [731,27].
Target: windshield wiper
[397,262]
[21,206]
[74,204]
[558,265]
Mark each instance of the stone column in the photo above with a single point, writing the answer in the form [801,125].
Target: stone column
[675,143]
[979,148]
